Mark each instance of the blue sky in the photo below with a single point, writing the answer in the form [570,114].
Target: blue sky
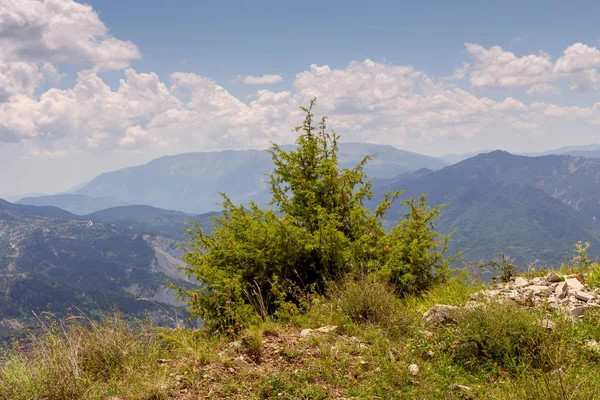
[117,83]
[226,38]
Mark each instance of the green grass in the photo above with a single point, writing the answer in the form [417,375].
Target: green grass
[498,350]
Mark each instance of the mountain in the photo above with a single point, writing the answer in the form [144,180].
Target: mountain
[191,182]
[565,150]
[52,260]
[17,197]
[584,153]
[152,220]
[532,208]
[47,211]
[454,158]
[75,203]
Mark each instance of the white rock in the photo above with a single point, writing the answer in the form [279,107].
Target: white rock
[305,332]
[325,329]
[540,281]
[573,283]
[546,323]
[413,369]
[463,388]
[561,290]
[584,296]
[521,282]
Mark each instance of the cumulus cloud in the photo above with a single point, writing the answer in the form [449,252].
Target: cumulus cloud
[496,67]
[366,101]
[61,31]
[260,80]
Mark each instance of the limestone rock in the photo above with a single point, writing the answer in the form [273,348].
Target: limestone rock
[584,296]
[574,282]
[305,332]
[553,277]
[521,282]
[323,329]
[413,369]
[440,314]
[561,290]
[462,388]
[546,323]
[326,329]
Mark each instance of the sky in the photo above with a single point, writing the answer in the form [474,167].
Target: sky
[92,87]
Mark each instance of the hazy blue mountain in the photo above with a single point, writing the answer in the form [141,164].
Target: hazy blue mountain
[565,150]
[75,203]
[533,208]
[454,158]
[191,182]
[48,211]
[581,151]
[584,153]
[17,197]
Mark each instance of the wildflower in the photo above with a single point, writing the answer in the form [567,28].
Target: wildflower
[485,333]
[21,347]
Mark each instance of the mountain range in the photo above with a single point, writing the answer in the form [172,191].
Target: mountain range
[532,208]
[191,182]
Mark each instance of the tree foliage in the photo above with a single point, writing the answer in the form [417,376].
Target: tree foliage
[317,229]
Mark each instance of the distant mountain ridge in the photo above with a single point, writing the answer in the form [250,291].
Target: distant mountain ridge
[532,208]
[75,203]
[191,182]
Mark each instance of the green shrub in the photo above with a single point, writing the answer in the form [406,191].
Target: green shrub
[366,299]
[318,230]
[508,336]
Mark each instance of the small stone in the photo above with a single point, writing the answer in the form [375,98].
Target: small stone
[537,290]
[553,277]
[584,296]
[521,282]
[561,290]
[578,311]
[326,329]
[546,323]
[305,332]
[440,314]
[413,369]
[575,282]
[539,281]
[462,388]
[430,353]
[592,344]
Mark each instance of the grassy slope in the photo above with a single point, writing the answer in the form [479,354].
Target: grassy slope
[518,359]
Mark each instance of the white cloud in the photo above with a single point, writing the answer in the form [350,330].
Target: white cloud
[496,67]
[260,80]
[366,101]
[60,31]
